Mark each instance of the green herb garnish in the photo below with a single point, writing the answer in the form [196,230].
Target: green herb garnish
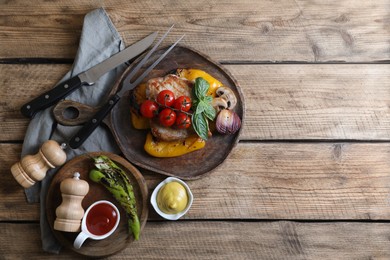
[203,110]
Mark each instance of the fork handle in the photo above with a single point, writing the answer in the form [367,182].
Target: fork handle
[93,123]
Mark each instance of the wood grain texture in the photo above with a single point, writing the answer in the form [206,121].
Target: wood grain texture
[241,240]
[263,31]
[312,181]
[316,102]
[18,85]
[14,205]
[310,177]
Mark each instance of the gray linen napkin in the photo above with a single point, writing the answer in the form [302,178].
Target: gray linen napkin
[99,41]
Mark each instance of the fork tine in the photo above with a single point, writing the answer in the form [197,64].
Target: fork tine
[151,67]
[129,85]
[139,65]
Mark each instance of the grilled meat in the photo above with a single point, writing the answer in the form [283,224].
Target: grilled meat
[167,133]
[179,87]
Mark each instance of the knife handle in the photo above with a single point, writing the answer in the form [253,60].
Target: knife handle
[51,97]
[91,124]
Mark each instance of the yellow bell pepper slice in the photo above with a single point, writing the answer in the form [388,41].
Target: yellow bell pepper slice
[192,74]
[139,122]
[172,149]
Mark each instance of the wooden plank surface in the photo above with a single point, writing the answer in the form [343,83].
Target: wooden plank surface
[13,203]
[20,84]
[310,177]
[311,181]
[241,240]
[262,31]
[316,102]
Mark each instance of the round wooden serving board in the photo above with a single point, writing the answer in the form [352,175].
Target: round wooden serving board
[195,164]
[121,237]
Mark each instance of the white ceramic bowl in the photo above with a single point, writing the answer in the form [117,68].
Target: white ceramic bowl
[153,199]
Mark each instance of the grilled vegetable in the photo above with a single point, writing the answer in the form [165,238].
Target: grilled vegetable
[115,180]
[165,149]
[228,122]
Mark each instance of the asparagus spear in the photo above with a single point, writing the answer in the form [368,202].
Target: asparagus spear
[115,180]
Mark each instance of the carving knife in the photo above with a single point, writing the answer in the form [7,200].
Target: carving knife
[88,77]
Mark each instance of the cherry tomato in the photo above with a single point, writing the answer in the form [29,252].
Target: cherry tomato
[167,117]
[183,121]
[166,98]
[149,109]
[183,103]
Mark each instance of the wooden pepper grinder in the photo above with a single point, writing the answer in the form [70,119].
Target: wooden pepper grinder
[70,212]
[33,168]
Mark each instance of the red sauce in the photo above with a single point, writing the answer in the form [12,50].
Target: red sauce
[101,219]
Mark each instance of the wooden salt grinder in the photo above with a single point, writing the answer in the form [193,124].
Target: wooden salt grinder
[33,168]
[70,212]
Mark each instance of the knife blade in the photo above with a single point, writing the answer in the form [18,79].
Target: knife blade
[94,122]
[86,78]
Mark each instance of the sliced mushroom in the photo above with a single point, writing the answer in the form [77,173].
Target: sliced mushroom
[219,103]
[228,95]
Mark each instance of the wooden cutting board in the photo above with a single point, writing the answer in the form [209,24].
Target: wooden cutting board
[121,238]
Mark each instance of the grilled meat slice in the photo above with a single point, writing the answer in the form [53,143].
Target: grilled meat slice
[167,133]
[179,86]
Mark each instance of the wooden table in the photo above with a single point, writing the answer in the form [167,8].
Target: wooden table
[310,176]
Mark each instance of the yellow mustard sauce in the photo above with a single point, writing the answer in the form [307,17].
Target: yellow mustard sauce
[172,198]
